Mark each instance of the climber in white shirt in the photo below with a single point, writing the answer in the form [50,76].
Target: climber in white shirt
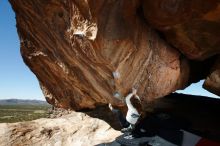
[132,115]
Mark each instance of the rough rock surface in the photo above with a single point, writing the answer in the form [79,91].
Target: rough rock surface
[212,82]
[76,129]
[191,26]
[84,52]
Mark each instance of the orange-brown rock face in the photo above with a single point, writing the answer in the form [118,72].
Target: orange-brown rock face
[192,26]
[85,52]
[212,82]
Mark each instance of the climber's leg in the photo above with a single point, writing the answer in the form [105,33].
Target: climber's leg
[119,116]
[128,129]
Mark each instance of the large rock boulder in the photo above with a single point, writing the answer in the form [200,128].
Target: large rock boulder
[62,131]
[87,53]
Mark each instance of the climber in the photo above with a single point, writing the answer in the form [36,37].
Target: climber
[132,115]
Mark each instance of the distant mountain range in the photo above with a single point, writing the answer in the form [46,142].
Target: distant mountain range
[21,102]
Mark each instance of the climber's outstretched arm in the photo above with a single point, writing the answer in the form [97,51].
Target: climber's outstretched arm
[136,96]
[129,96]
[134,92]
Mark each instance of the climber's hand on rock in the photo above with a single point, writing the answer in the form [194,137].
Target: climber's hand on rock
[134,91]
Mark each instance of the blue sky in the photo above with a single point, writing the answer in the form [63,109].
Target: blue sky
[196,89]
[16,80]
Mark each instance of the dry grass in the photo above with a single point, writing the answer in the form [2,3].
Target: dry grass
[19,113]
